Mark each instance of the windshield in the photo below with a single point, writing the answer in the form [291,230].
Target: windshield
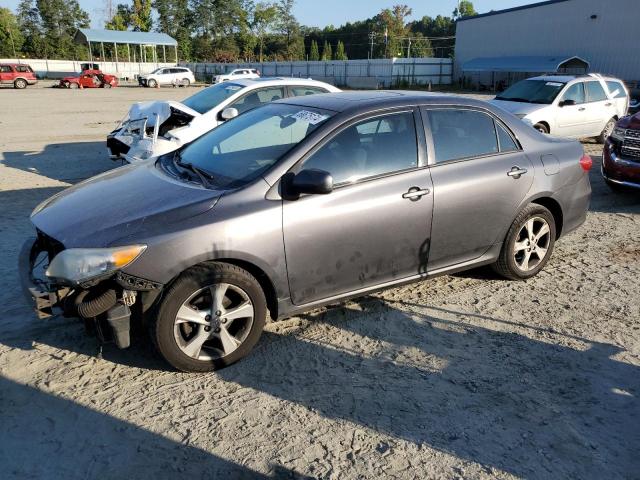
[158,70]
[210,97]
[532,91]
[244,148]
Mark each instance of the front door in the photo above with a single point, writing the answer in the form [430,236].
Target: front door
[570,118]
[375,225]
[480,176]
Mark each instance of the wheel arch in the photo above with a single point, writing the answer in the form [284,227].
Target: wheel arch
[546,124]
[556,210]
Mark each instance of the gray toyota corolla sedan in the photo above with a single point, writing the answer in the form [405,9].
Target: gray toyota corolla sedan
[296,204]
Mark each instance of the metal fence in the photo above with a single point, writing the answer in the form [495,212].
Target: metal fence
[62,68]
[350,73]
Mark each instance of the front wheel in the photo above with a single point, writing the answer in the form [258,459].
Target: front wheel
[528,245]
[211,317]
[151,83]
[106,85]
[73,85]
[542,128]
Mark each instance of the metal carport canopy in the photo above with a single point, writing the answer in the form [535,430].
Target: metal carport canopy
[520,64]
[86,35]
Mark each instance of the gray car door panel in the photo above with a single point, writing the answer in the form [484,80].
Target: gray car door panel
[474,202]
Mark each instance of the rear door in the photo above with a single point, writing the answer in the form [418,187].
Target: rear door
[480,175]
[570,119]
[619,95]
[6,74]
[599,108]
[374,227]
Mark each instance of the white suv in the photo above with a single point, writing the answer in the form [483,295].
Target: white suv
[177,76]
[237,74]
[568,106]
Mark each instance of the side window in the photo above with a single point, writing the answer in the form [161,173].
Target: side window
[350,157]
[595,92]
[616,89]
[506,141]
[461,134]
[302,91]
[5,69]
[575,92]
[258,97]
[22,68]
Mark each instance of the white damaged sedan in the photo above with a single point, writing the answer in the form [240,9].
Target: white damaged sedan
[155,128]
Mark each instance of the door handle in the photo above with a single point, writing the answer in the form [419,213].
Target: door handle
[581,109]
[516,172]
[416,193]
[608,104]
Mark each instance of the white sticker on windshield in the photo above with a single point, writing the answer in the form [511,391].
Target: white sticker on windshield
[310,117]
[554,84]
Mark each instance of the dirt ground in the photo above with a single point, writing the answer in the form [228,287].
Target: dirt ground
[464,376]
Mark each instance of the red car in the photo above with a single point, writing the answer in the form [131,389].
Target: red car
[621,157]
[90,79]
[19,75]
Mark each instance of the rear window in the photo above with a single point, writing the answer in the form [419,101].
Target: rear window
[302,91]
[616,89]
[595,92]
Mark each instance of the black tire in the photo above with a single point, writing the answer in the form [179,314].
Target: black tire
[542,128]
[151,83]
[185,82]
[608,128]
[73,85]
[190,282]
[106,85]
[20,84]
[506,265]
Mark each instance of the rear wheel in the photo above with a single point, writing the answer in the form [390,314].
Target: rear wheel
[106,85]
[211,317]
[528,245]
[20,83]
[541,127]
[607,131]
[151,83]
[185,82]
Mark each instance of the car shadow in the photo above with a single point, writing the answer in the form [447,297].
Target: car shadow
[84,159]
[45,436]
[533,408]
[606,200]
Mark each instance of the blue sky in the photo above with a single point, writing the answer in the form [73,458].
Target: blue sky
[320,13]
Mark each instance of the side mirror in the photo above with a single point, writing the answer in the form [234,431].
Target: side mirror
[310,181]
[229,113]
[567,103]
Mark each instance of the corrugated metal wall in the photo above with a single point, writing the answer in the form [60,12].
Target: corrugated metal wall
[352,73]
[609,42]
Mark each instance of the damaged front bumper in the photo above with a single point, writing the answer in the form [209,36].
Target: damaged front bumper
[48,298]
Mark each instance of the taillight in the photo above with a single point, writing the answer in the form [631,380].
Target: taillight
[586,163]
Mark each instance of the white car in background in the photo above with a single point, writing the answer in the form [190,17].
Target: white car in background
[151,129]
[575,106]
[177,76]
[236,75]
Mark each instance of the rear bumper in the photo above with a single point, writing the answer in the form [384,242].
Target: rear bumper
[142,82]
[32,81]
[575,200]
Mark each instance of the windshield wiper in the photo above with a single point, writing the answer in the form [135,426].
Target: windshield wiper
[204,176]
[513,99]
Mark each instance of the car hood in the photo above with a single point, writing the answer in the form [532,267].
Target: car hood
[518,108]
[68,79]
[632,121]
[158,109]
[127,202]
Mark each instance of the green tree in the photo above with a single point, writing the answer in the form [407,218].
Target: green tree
[175,19]
[121,20]
[314,54]
[141,19]
[392,23]
[11,38]
[263,20]
[290,29]
[340,53]
[327,53]
[464,9]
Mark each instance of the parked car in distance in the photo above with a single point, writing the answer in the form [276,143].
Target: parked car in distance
[176,76]
[89,79]
[17,74]
[621,155]
[236,74]
[568,105]
[137,137]
[300,203]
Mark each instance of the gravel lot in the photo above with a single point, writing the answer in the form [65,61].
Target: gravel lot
[464,376]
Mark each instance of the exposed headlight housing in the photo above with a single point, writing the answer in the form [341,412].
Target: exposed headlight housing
[78,265]
[619,133]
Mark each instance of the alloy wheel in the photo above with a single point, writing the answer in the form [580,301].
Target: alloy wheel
[213,322]
[532,244]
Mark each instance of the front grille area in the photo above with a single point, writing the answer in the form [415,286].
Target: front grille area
[632,134]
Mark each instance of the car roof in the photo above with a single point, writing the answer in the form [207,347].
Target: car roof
[269,81]
[569,78]
[371,99]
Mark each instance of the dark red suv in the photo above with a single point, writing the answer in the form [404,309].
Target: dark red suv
[621,156]
[17,74]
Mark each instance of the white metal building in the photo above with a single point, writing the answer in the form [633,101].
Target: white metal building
[602,32]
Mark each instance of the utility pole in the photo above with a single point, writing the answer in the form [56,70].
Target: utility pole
[372,35]
[409,49]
